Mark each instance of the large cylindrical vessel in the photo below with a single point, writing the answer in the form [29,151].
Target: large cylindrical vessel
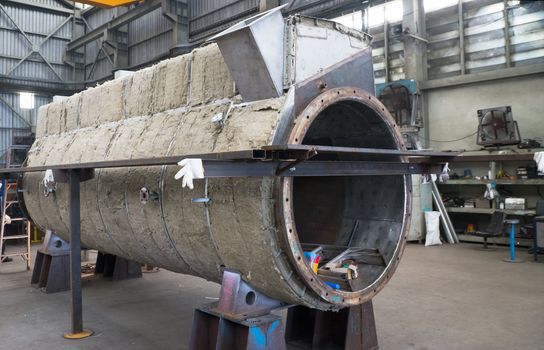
[260,227]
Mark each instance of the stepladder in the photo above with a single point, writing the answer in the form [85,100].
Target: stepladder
[14,226]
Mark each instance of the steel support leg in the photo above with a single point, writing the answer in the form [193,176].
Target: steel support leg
[512,258]
[351,328]
[75,259]
[240,320]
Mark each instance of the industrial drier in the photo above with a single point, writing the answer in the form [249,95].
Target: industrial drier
[297,155]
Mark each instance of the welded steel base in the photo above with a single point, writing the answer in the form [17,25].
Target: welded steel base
[242,319]
[116,268]
[52,267]
[351,328]
[51,271]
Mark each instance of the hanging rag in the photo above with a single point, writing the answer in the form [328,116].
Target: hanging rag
[539,159]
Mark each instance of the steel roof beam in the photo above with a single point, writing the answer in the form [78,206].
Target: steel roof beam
[116,22]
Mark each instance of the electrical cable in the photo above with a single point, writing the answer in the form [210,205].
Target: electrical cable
[446,141]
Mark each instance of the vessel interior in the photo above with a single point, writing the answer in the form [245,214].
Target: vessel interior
[358,216]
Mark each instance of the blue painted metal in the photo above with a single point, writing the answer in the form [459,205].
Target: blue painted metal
[512,257]
[512,245]
[2,191]
[410,84]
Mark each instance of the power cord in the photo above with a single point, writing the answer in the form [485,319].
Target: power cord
[446,141]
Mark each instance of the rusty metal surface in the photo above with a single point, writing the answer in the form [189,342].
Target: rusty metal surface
[241,319]
[388,225]
[338,75]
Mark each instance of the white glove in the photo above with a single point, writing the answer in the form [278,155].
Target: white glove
[190,169]
[539,159]
[490,193]
[445,176]
[49,184]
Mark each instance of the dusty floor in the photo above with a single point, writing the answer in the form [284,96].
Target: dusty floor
[449,297]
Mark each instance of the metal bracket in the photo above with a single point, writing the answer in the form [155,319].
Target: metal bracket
[241,319]
[307,155]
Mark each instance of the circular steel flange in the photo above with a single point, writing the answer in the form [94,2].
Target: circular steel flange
[328,297]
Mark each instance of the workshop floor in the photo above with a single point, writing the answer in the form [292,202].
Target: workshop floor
[448,297]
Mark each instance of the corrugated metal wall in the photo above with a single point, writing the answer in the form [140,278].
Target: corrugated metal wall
[394,69]
[476,36]
[211,16]
[321,8]
[378,19]
[47,31]
[97,63]
[149,38]
[16,122]
[207,17]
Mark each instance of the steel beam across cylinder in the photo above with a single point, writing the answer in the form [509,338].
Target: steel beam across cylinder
[218,169]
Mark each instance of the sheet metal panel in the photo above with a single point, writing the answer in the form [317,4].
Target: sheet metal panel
[395,60]
[484,37]
[11,125]
[321,8]
[149,37]
[38,24]
[207,17]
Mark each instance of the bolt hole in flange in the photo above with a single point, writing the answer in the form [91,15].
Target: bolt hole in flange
[250,298]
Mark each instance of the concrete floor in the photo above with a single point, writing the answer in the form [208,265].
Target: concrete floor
[448,297]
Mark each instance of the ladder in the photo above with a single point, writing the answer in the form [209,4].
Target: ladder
[10,204]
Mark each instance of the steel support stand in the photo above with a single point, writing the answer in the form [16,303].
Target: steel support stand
[512,258]
[351,328]
[74,179]
[240,320]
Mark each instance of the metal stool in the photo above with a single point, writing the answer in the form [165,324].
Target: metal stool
[512,257]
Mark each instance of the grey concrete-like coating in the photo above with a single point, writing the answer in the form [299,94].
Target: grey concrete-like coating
[447,298]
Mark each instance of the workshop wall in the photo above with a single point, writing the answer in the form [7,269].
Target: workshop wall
[452,110]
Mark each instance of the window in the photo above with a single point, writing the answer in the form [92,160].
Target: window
[433,5]
[393,11]
[390,11]
[352,20]
[26,100]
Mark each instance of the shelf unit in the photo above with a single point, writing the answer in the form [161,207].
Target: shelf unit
[527,212]
[501,182]
[509,185]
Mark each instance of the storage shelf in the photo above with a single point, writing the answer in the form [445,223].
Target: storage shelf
[515,157]
[519,182]
[527,212]
[503,241]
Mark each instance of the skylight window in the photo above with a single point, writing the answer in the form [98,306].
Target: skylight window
[26,100]
[352,20]
[434,5]
[390,11]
